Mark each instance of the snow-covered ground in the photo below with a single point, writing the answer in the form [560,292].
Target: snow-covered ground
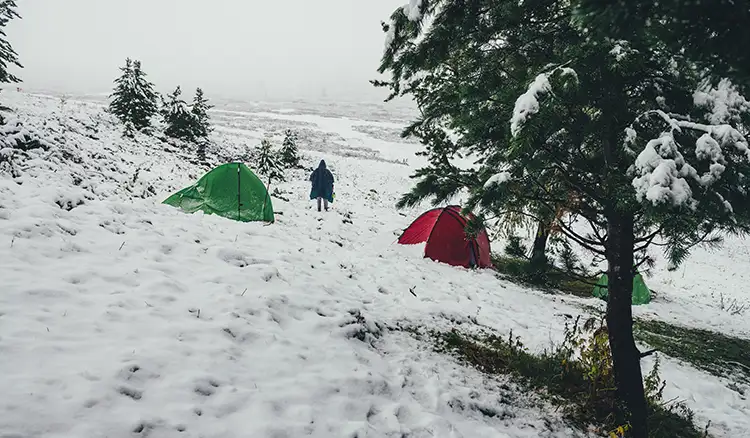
[120,316]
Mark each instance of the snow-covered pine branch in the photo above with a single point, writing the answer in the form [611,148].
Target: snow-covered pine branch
[498,178]
[527,104]
[413,10]
[662,174]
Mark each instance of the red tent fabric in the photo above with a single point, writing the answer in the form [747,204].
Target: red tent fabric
[443,230]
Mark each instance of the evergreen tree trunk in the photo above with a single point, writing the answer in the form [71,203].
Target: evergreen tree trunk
[626,357]
[539,250]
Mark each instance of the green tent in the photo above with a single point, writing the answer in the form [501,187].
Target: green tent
[641,294]
[231,190]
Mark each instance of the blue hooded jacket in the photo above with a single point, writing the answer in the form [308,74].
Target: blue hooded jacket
[322,183]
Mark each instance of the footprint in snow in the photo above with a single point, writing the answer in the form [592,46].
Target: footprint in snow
[206,387]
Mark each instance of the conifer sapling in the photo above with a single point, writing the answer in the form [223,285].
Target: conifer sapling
[199,110]
[133,99]
[267,163]
[178,117]
[289,150]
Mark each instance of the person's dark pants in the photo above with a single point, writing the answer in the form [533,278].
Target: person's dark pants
[325,203]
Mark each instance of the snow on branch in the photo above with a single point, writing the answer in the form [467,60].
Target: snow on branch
[390,35]
[413,10]
[497,178]
[725,134]
[724,102]
[662,173]
[527,104]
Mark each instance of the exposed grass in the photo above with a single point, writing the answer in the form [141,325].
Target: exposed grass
[721,355]
[551,280]
[716,353]
[584,397]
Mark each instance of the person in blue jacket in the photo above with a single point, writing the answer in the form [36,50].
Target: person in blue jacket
[322,185]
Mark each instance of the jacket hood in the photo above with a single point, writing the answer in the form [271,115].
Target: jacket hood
[322,164]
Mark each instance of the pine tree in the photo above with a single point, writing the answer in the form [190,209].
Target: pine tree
[180,121]
[122,97]
[133,99]
[713,33]
[267,162]
[620,147]
[289,150]
[8,56]
[145,103]
[200,107]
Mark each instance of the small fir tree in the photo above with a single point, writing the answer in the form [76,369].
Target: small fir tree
[289,150]
[199,110]
[122,97]
[267,162]
[129,130]
[178,117]
[133,99]
[202,146]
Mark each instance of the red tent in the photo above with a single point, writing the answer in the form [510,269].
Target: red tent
[443,230]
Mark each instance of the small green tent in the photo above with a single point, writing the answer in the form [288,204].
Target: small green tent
[641,294]
[230,190]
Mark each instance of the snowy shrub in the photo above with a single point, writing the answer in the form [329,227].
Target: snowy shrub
[14,135]
[356,326]
[16,145]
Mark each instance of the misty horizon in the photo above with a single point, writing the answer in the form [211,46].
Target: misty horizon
[274,51]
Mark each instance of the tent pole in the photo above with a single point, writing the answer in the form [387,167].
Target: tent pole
[266,199]
[239,205]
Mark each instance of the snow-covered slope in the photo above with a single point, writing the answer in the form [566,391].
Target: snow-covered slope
[120,316]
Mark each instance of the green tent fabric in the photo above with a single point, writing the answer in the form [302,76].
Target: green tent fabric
[641,294]
[230,190]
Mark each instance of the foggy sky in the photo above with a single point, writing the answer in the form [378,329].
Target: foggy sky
[272,49]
